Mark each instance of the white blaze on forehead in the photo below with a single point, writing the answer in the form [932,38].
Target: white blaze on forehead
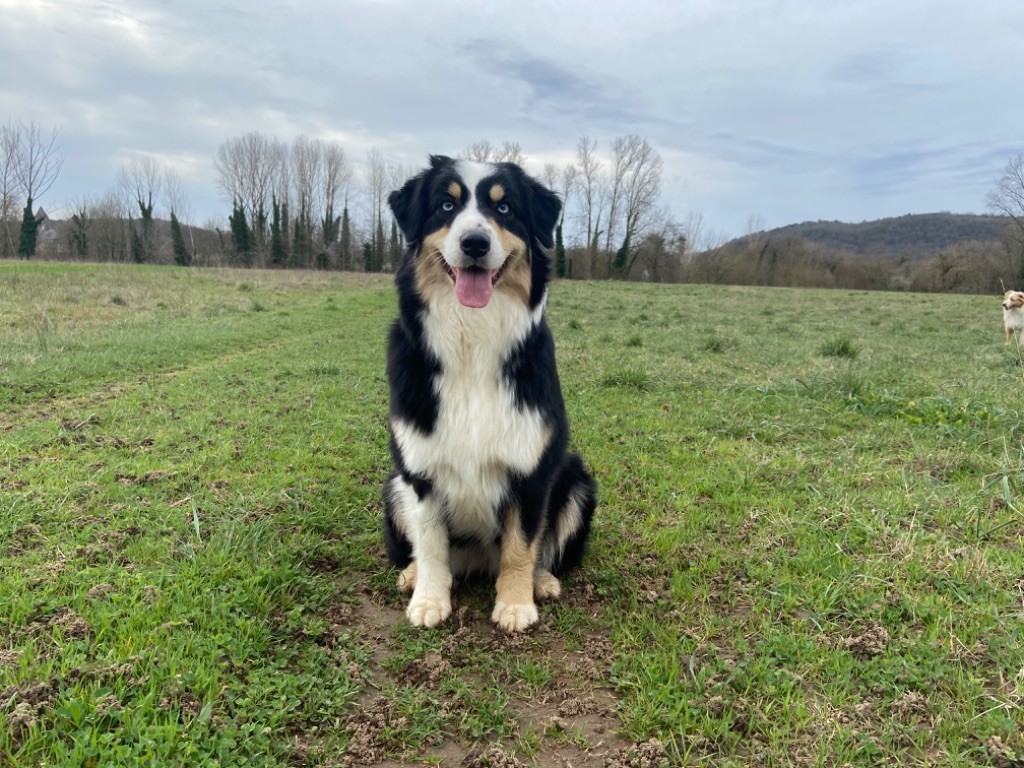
[472,173]
[471,219]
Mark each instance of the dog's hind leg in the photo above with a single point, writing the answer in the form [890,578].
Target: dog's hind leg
[407,579]
[546,586]
[571,509]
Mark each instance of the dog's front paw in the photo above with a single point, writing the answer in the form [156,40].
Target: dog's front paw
[428,611]
[514,618]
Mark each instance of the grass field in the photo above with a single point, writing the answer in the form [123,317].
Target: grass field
[807,548]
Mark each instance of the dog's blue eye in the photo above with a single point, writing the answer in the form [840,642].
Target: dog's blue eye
[447,206]
[504,209]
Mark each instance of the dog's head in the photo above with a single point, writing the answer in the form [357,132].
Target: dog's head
[1013,300]
[476,228]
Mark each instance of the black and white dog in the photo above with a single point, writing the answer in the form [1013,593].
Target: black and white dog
[482,481]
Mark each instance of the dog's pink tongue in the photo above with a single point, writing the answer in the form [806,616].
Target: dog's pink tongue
[473,287]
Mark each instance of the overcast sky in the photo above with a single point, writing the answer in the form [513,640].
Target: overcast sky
[789,110]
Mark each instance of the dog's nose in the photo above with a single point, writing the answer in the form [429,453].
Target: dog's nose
[475,244]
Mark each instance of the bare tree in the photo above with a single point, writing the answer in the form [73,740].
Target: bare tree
[660,253]
[306,164]
[109,234]
[38,160]
[140,182]
[34,161]
[641,188]
[1008,199]
[337,176]
[510,152]
[617,170]
[174,195]
[590,185]
[479,151]
[561,180]
[699,237]
[10,191]
[377,185]
[247,172]
[549,175]
[79,225]
[397,173]
[483,152]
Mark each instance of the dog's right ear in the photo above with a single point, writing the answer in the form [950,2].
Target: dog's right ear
[407,205]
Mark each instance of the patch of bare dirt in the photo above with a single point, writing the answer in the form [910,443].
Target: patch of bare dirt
[26,538]
[649,754]
[1001,754]
[426,671]
[368,731]
[65,621]
[911,708]
[493,757]
[871,640]
[26,704]
[99,590]
[574,714]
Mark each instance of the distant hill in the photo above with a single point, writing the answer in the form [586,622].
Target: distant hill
[913,236]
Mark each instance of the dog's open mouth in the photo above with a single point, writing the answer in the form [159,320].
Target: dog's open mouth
[474,285]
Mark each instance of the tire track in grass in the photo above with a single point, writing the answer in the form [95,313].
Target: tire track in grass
[48,406]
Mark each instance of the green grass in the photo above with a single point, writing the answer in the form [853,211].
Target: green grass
[807,549]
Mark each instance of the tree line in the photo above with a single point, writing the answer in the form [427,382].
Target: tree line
[308,204]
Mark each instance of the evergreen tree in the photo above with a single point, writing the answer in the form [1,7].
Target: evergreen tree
[259,231]
[394,245]
[79,234]
[241,237]
[329,235]
[138,250]
[560,264]
[278,254]
[368,257]
[181,255]
[300,246]
[621,262]
[378,250]
[285,227]
[29,232]
[148,239]
[345,248]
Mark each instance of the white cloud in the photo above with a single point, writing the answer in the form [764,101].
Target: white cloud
[790,109]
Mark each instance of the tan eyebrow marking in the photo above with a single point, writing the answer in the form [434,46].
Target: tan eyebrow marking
[497,192]
[455,190]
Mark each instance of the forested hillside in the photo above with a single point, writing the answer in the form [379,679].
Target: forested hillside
[913,236]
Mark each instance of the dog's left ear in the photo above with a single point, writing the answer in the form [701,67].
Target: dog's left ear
[544,209]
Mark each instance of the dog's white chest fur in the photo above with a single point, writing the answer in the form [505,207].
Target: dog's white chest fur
[480,433]
[1014,318]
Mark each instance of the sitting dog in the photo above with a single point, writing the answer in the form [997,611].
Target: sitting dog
[1013,313]
[482,482]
